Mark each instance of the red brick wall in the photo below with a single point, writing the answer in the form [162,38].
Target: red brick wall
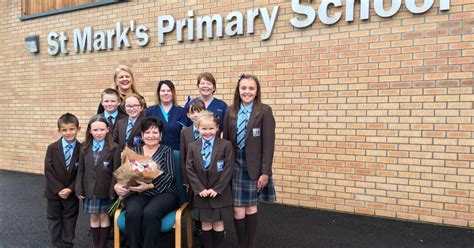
[373,117]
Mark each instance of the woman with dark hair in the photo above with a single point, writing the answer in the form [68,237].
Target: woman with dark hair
[147,204]
[167,110]
[206,84]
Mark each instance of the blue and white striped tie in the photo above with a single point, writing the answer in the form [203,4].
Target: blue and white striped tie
[196,134]
[96,151]
[206,154]
[111,120]
[68,156]
[241,129]
[129,129]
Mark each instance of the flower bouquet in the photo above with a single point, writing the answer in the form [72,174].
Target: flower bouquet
[135,167]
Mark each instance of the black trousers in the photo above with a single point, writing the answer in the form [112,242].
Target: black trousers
[62,217]
[144,215]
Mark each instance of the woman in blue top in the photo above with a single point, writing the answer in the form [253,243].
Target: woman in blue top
[206,84]
[167,110]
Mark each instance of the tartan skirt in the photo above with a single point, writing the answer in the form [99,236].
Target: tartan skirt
[96,205]
[244,188]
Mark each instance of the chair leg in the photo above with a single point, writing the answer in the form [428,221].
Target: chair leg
[177,232]
[116,230]
[189,231]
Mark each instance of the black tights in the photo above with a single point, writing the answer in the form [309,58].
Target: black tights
[143,217]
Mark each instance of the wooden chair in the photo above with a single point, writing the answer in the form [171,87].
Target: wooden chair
[171,220]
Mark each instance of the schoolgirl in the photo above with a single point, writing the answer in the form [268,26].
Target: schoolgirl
[209,166]
[250,126]
[99,158]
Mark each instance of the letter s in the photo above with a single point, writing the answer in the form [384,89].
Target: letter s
[54,49]
[308,11]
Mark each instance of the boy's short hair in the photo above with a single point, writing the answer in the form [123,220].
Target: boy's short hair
[110,91]
[196,105]
[68,118]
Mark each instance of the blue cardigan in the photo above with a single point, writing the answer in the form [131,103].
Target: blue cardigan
[177,119]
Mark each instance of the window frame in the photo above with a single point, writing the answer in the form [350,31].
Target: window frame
[69,9]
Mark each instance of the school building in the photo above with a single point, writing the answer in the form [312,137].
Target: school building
[373,98]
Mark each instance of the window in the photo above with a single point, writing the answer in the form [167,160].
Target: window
[31,9]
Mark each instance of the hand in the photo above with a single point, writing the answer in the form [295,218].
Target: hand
[81,197]
[141,187]
[262,182]
[121,190]
[64,193]
[204,193]
[212,193]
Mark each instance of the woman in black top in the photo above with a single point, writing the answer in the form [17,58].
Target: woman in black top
[124,83]
[147,204]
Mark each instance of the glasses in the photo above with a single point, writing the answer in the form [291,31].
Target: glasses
[135,106]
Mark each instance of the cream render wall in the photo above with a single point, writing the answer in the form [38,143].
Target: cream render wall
[373,117]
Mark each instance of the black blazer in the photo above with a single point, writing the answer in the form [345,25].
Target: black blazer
[219,175]
[259,140]
[120,132]
[57,178]
[96,179]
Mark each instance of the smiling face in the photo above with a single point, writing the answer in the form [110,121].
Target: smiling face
[124,82]
[166,95]
[152,136]
[68,131]
[110,102]
[206,88]
[207,129]
[133,106]
[99,130]
[247,91]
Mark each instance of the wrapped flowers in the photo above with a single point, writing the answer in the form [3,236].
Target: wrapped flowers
[135,167]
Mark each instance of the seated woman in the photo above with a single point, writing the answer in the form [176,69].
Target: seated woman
[147,204]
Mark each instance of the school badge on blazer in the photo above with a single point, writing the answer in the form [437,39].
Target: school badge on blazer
[256,132]
[107,164]
[220,165]
[137,140]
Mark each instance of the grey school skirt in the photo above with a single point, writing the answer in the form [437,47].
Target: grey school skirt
[244,188]
[212,214]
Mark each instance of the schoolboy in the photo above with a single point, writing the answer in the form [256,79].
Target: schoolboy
[110,100]
[60,168]
[190,134]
